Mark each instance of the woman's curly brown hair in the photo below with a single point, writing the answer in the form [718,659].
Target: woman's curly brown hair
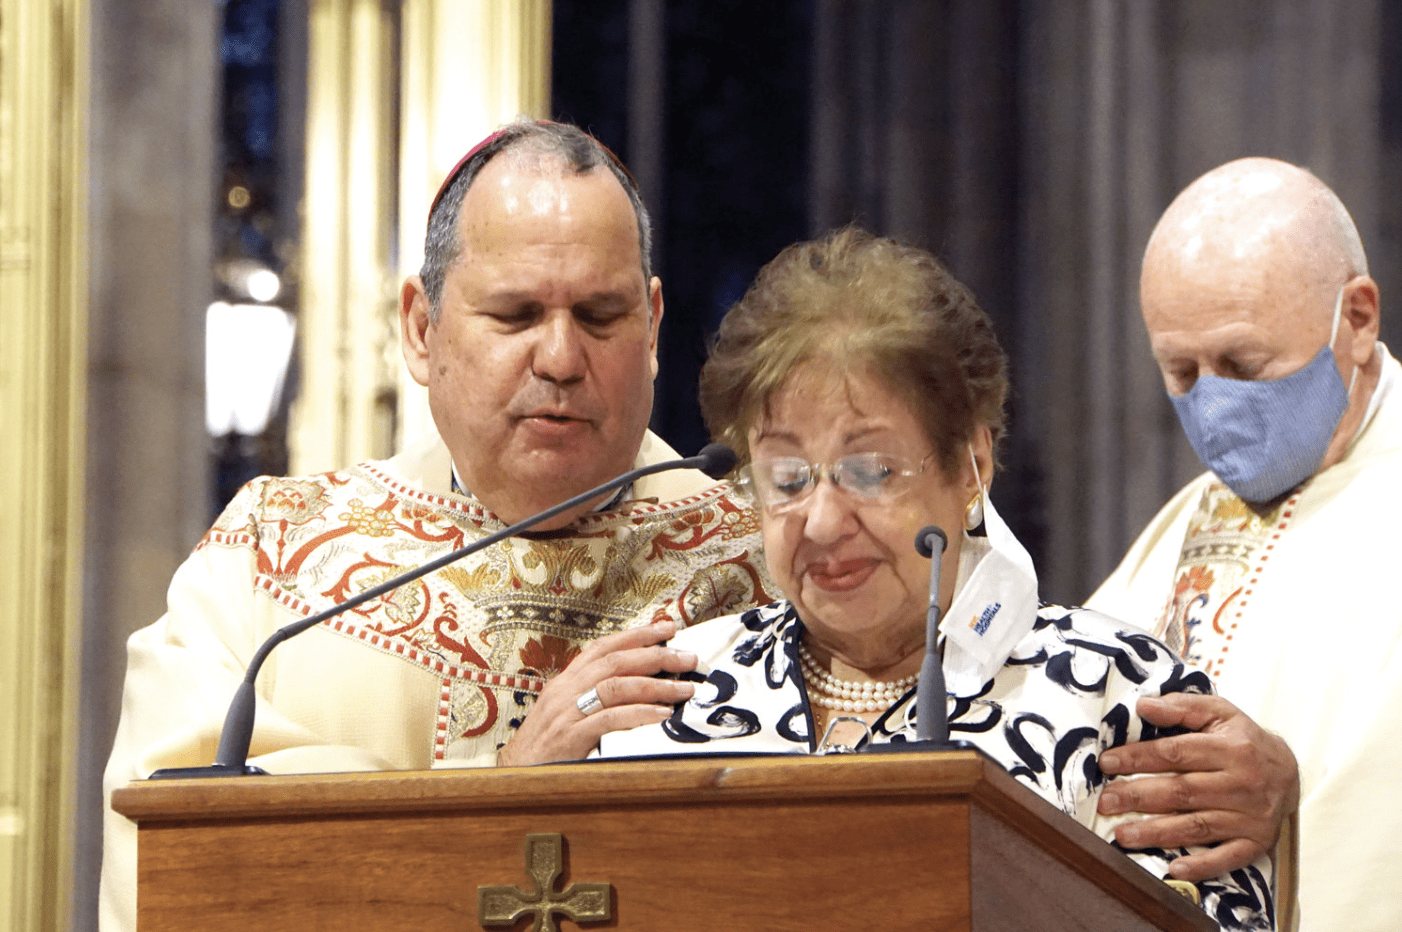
[855,302]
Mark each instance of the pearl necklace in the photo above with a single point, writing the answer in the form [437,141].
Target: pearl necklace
[848,695]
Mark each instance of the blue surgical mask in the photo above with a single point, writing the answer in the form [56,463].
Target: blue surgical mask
[1264,438]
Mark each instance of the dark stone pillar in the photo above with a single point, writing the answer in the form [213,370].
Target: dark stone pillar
[154,67]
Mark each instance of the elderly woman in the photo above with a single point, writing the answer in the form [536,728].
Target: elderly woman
[863,390]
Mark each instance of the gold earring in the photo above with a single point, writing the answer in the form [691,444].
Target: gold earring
[973,512]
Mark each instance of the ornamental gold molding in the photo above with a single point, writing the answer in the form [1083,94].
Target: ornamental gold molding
[346,319]
[466,69]
[43,364]
[463,69]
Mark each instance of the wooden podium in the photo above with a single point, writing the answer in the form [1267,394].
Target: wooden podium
[942,841]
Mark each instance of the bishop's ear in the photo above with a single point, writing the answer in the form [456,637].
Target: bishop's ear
[654,302]
[1361,314]
[414,321]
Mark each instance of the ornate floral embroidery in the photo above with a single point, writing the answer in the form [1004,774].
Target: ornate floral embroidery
[497,624]
[413,512]
[372,522]
[1229,509]
[1197,579]
[1225,549]
[295,501]
[547,655]
[1188,593]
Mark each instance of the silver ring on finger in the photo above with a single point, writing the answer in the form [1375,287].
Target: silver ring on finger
[589,702]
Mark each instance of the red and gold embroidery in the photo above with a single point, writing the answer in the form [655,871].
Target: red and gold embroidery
[1225,550]
[494,626]
[547,655]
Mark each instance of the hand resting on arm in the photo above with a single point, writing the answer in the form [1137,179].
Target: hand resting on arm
[1228,781]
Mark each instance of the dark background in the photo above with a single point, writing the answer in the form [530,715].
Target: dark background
[735,171]
[1029,145]
[737,180]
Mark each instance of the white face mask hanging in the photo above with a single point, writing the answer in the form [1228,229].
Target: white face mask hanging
[994,608]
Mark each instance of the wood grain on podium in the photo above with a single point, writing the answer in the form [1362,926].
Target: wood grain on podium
[948,842]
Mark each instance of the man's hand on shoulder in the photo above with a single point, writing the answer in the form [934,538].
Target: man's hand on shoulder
[620,668]
[1228,781]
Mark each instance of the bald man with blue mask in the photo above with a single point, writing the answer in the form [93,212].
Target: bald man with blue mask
[1264,437]
[1275,571]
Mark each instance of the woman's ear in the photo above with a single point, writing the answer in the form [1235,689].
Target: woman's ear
[981,448]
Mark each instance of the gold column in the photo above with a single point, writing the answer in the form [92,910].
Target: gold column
[346,322]
[468,67]
[465,67]
[43,359]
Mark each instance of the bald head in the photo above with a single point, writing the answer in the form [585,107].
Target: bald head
[1262,216]
[1241,279]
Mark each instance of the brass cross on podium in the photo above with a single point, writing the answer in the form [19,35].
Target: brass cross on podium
[502,904]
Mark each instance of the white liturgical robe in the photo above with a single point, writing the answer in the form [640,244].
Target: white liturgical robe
[1297,615]
[437,673]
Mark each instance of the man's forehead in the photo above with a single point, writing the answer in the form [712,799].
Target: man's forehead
[1207,247]
[1225,338]
[509,190]
[1245,310]
[511,183]
[518,212]
[1251,279]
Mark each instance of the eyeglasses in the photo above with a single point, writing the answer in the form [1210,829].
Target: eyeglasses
[783,482]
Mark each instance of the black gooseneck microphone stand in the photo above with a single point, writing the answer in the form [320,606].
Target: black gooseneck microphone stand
[715,460]
[931,722]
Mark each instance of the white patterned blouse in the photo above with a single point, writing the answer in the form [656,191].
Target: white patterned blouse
[1065,693]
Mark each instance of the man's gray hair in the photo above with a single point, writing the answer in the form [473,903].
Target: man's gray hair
[542,143]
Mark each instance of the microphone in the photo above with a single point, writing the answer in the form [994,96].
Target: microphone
[931,722]
[925,541]
[715,460]
[930,691]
